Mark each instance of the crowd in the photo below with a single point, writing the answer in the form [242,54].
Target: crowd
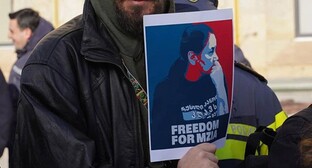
[74,95]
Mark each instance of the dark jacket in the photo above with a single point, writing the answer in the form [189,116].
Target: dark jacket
[43,28]
[77,108]
[284,151]
[23,55]
[254,104]
[285,147]
[6,114]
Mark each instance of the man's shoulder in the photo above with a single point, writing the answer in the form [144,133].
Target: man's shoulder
[67,35]
[66,31]
[250,71]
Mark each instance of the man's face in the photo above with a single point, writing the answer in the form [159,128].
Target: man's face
[19,37]
[130,13]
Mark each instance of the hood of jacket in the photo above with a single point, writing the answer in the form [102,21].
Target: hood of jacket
[43,28]
[123,47]
[127,44]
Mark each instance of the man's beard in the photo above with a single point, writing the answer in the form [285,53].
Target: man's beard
[132,22]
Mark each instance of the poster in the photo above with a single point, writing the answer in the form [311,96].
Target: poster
[189,64]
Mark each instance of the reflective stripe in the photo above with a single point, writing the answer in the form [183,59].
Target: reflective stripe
[240,129]
[264,150]
[17,70]
[279,120]
[233,149]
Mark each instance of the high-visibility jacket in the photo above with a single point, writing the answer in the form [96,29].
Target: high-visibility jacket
[254,105]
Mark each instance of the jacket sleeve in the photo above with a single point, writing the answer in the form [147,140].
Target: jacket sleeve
[6,114]
[269,109]
[272,113]
[284,151]
[51,128]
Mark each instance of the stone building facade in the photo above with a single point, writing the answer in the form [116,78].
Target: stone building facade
[265,30]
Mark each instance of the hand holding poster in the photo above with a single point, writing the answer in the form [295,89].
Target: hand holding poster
[189,62]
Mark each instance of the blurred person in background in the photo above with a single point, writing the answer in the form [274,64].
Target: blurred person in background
[26,29]
[292,145]
[254,103]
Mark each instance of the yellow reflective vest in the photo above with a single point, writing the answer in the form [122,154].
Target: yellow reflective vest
[254,104]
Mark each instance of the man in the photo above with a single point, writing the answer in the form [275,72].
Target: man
[26,28]
[254,103]
[78,107]
[6,114]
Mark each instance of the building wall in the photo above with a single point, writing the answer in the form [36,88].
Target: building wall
[267,37]
[265,30]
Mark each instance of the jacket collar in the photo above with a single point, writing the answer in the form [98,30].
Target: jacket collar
[97,46]
[43,28]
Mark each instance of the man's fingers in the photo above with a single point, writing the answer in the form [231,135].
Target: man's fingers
[200,156]
[209,147]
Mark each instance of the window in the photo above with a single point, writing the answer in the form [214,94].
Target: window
[303,18]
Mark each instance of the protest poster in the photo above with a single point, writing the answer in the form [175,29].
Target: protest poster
[189,64]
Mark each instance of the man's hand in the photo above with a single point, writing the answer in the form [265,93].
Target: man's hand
[200,156]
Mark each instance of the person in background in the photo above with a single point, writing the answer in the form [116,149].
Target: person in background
[78,107]
[306,151]
[292,145]
[26,28]
[6,114]
[254,103]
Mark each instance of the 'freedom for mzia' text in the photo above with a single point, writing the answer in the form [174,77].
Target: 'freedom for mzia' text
[194,133]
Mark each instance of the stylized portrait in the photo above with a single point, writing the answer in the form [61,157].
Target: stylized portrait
[199,43]
[194,89]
